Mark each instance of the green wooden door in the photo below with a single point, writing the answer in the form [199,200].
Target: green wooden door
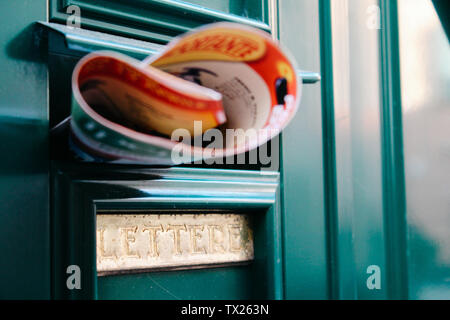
[356,210]
[362,214]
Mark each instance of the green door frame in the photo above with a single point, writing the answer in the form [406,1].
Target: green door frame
[340,256]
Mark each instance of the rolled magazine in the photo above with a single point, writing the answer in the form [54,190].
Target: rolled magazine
[214,92]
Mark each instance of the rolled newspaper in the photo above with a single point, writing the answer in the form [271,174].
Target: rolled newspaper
[227,81]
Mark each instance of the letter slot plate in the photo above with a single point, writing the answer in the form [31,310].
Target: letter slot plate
[130,243]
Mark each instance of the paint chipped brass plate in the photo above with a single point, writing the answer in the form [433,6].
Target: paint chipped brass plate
[128,243]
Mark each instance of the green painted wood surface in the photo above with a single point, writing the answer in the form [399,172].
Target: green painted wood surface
[392,154]
[329,151]
[356,240]
[211,284]
[304,235]
[361,137]
[80,190]
[24,187]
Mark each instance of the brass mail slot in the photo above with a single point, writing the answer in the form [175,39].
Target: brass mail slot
[129,243]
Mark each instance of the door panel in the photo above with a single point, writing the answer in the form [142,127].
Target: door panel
[304,235]
[358,209]
[228,283]
[80,192]
[24,186]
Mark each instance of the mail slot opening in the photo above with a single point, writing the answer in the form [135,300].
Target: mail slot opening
[183,104]
[265,156]
[223,249]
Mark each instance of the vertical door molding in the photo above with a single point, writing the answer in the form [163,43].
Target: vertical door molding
[329,148]
[353,186]
[392,152]
[304,234]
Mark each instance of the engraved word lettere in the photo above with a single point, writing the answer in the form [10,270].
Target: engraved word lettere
[136,242]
